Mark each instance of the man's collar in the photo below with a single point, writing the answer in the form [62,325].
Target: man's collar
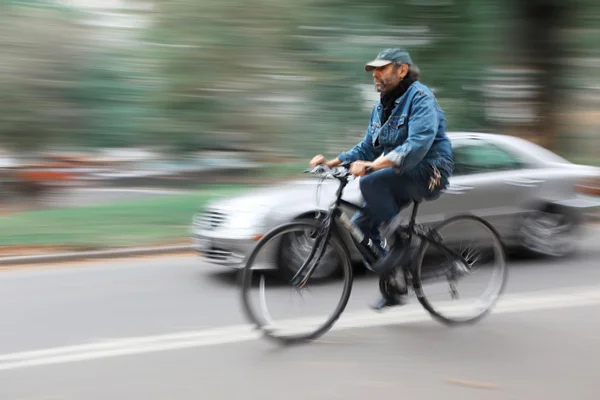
[400,97]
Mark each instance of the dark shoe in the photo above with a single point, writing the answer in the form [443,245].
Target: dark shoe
[389,301]
[394,290]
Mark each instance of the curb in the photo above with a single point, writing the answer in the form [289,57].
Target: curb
[90,255]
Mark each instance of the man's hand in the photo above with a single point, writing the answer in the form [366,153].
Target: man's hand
[320,159]
[359,168]
[317,160]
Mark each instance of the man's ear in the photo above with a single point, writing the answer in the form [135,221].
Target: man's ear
[403,71]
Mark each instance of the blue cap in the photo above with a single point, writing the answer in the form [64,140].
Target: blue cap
[389,56]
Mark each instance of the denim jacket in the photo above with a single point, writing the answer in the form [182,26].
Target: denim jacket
[414,133]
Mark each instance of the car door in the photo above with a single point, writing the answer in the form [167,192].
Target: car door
[488,181]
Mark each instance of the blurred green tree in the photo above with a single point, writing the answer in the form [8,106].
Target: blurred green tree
[41,48]
[283,77]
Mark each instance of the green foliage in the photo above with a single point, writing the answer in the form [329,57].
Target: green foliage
[38,47]
[277,76]
[123,223]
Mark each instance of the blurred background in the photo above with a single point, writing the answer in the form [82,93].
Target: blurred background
[142,124]
[179,95]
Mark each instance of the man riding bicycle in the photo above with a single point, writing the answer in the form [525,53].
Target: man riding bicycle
[404,156]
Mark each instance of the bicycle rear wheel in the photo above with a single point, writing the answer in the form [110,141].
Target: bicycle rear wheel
[459,278]
[265,310]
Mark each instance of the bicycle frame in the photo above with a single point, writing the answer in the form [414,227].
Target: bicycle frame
[335,217]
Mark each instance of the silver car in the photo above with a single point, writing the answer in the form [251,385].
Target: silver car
[526,192]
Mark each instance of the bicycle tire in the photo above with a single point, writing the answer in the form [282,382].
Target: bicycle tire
[417,284]
[246,281]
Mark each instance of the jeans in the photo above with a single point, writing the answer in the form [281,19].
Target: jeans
[386,193]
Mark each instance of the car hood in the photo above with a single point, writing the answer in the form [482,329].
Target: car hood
[284,193]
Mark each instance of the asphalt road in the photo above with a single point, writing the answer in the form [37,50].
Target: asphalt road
[172,328]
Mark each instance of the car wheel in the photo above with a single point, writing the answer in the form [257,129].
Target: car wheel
[294,249]
[550,233]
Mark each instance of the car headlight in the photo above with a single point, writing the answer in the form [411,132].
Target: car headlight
[245,221]
[233,223]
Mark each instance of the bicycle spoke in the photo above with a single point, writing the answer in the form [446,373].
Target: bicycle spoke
[292,313]
[467,301]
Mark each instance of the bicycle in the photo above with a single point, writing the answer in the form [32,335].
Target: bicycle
[329,231]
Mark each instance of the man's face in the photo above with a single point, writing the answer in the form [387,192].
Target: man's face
[388,77]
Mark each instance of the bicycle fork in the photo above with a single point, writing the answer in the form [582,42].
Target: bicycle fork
[322,237]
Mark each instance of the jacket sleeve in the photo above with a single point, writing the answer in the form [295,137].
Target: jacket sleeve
[364,150]
[422,129]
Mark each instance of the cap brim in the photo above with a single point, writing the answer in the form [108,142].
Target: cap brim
[376,64]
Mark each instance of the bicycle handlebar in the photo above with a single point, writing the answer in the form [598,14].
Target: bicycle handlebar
[339,172]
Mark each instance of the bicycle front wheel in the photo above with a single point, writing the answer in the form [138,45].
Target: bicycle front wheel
[272,302]
[460,276]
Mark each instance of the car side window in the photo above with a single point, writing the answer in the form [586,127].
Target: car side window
[475,157]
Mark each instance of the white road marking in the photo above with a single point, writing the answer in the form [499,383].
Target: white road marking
[573,297]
